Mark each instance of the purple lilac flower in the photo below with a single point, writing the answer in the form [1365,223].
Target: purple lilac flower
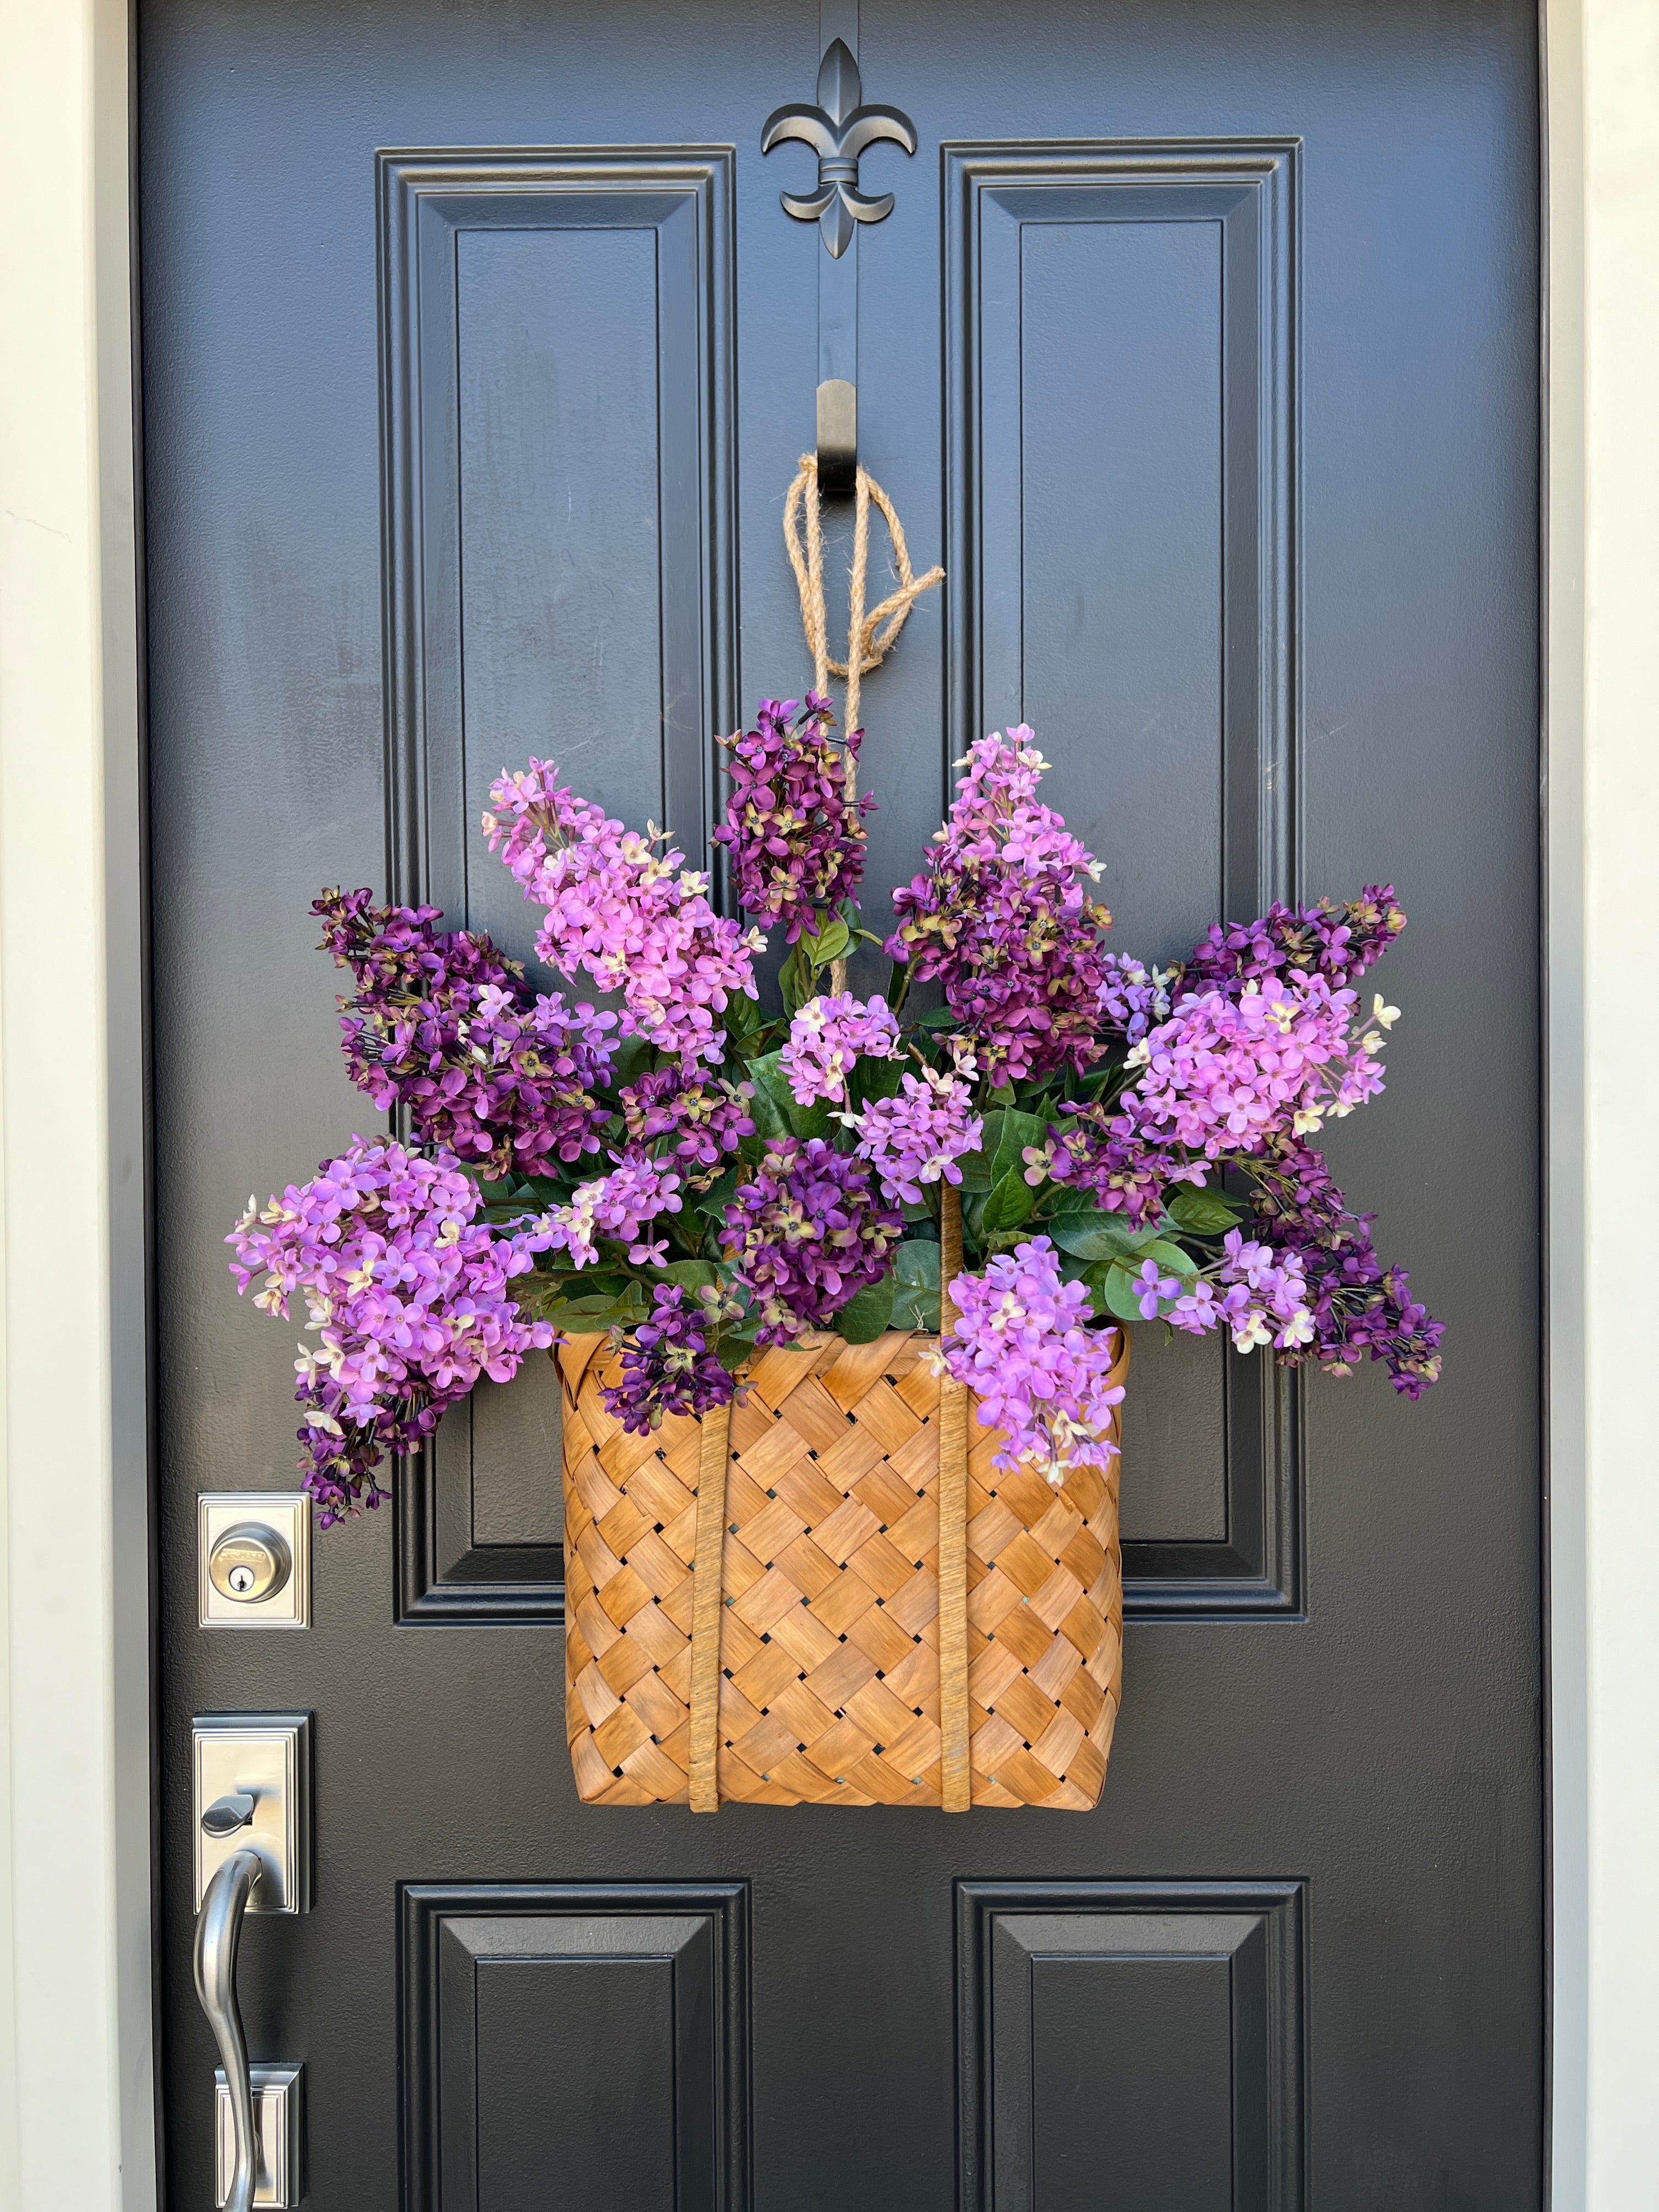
[1225,1072]
[804,1234]
[616,1206]
[1219,1078]
[635,919]
[1002,915]
[827,1036]
[1263,1298]
[408,1296]
[1021,1345]
[1132,996]
[919,1136]
[797,841]
[1339,942]
[444,1026]
[705,1119]
[1097,1149]
[1356,1305]
[669,1369]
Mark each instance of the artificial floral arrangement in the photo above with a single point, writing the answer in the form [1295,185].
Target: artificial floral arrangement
[838,1213]
[1124,1142]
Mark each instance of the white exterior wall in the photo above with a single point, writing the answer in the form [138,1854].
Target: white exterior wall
[77,2116]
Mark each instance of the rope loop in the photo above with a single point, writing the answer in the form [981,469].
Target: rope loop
[870,636]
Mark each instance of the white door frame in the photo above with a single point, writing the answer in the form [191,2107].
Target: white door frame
[77,2127]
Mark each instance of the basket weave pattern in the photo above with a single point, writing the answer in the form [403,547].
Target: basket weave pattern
[829,1673]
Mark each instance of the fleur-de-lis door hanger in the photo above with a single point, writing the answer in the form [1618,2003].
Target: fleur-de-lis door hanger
[838,130]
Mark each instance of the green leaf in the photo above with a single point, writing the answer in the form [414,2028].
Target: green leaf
[831,941]
[692,1274]
[1171,1259]
[975,1171]
[1205,1212]
[863,1318]
[914,1306]
[628,1061]
[743,1016]
[1093,1235]
[1059,1199]
[916,1263]
[794,982]
[766,1074]
[714,1201]
[768,1117]
[940,1018]
[1011,1201]
[875,1079]
[1017,1132]
[1003,1095]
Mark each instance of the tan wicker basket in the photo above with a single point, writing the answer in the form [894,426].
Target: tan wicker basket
[820,1642]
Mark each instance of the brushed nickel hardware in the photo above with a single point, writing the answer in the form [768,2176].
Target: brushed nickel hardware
[839,130]
[227,1814]
[251,1786]
[278,2096]
[254,1558]
[266,1759]
[249,1562]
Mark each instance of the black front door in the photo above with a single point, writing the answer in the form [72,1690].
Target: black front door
[1200,347]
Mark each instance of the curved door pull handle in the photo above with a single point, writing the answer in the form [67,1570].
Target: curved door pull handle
[218,1934]
[252,1806]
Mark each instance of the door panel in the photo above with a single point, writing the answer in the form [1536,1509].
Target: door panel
[1200,346]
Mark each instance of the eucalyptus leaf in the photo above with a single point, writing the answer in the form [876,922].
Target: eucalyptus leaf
[916,1263]
[1171,1259]
[1205,1212]
[1122,1296]
[914,1306]
[863,1318]
[1093,1235]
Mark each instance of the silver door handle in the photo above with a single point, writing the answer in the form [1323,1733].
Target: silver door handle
[218,1933]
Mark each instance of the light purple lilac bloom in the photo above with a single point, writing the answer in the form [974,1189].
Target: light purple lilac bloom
[1002,914]
[635,919]
[444,1027]
[827,1035]
[616,1206]
[408,1297]
[919,1136]
[1039,1375]
[1263,1298]
[797,842]
[804,1234]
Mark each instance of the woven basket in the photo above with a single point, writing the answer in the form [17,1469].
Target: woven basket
[819,1644]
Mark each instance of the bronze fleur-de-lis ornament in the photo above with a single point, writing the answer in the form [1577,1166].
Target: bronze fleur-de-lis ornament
[838,130]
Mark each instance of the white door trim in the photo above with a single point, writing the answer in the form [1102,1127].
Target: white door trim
[76,2108]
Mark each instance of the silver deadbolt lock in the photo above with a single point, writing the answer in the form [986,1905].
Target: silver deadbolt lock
[249,1563]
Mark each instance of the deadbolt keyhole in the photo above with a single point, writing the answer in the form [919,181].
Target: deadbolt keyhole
[249,1563]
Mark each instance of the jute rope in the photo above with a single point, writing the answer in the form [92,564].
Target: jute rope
[706,1599]
[870,637]
[956,1779]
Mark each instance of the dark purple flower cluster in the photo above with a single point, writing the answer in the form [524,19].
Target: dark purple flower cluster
[1340,942]
[339,1454]
[1002,915]
[445,1027]
[1097,1149]
[807,1233]
[705,1120]
[797,840]
[668,1367]
[1357,1305]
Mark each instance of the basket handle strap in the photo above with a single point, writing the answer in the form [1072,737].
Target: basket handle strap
[716,1451]
[956,1774]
